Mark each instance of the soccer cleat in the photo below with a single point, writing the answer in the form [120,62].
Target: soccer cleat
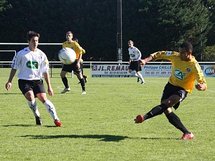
[188,136]
[83,93]
[38,120]
[58,123]
[139,119]
[142,82]
[65,90]
[138,79]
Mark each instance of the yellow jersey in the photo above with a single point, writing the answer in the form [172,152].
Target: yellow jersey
[183,73]
[75,46]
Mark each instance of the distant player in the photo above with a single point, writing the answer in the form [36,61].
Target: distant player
[185,70]
[135,61]
[76,66]
[33,65]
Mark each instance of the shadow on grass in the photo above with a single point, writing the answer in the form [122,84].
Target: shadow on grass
[19,125]
[7,93]
[30,125]
[106,138]
[158,138]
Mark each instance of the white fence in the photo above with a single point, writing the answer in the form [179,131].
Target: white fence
[117,69]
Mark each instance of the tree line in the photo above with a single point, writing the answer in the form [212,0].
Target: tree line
[152,25]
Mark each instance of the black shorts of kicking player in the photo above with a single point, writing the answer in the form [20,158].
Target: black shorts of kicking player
[135,65]
[170,90]
[71,67]
[36,86]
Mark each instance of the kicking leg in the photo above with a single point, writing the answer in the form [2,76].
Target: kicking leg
[157,110]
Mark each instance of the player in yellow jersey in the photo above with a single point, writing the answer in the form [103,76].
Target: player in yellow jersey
[185,71]
[76,66]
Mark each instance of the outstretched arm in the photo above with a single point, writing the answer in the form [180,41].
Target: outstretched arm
[166,55]
[146,60]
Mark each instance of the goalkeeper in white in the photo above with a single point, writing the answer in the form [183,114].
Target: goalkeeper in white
[33,65]
[135,61]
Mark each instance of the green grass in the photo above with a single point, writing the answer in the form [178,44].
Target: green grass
[99,126]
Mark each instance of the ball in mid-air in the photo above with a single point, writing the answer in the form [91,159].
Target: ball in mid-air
[67,55]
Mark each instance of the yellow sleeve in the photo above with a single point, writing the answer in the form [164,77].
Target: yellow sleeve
[165,55]
[83,51]
[77,48]
[64,45]
[200,78]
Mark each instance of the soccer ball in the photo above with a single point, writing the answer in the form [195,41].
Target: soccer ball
[67,55]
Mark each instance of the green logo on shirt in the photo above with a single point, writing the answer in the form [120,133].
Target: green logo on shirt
[179,74]
[32,64]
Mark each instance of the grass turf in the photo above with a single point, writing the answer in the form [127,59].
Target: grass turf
[99,126]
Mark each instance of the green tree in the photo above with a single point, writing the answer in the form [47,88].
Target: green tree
[171,22]
[3,5]
[210,4]
[92,21]
[152,26]
[209,53]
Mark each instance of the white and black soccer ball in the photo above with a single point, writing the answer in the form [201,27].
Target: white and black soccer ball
[67,55]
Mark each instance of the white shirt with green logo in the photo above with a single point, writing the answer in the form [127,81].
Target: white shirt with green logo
[30,64]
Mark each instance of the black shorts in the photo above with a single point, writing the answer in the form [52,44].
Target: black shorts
[170,90]
[135,65]
[27,85]
[71,67]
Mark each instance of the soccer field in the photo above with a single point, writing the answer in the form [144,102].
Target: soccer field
[99,126]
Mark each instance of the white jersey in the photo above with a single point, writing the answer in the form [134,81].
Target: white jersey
[30,64]
[134,53]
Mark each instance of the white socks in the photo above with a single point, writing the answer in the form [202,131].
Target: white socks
[51,109]
[140,76]
[33,106]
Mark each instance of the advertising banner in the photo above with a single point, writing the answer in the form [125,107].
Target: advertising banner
[112,70]
[116,70]
[209,70]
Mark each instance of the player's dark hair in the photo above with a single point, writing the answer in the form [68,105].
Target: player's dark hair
[131,41]
[31,34]
[187,46]
[75,39]
[69,32]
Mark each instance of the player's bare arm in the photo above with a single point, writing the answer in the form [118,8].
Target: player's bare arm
[8,85]
[47,79]
[146,60]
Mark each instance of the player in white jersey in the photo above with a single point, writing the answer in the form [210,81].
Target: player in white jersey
[135,61]
[33,65]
